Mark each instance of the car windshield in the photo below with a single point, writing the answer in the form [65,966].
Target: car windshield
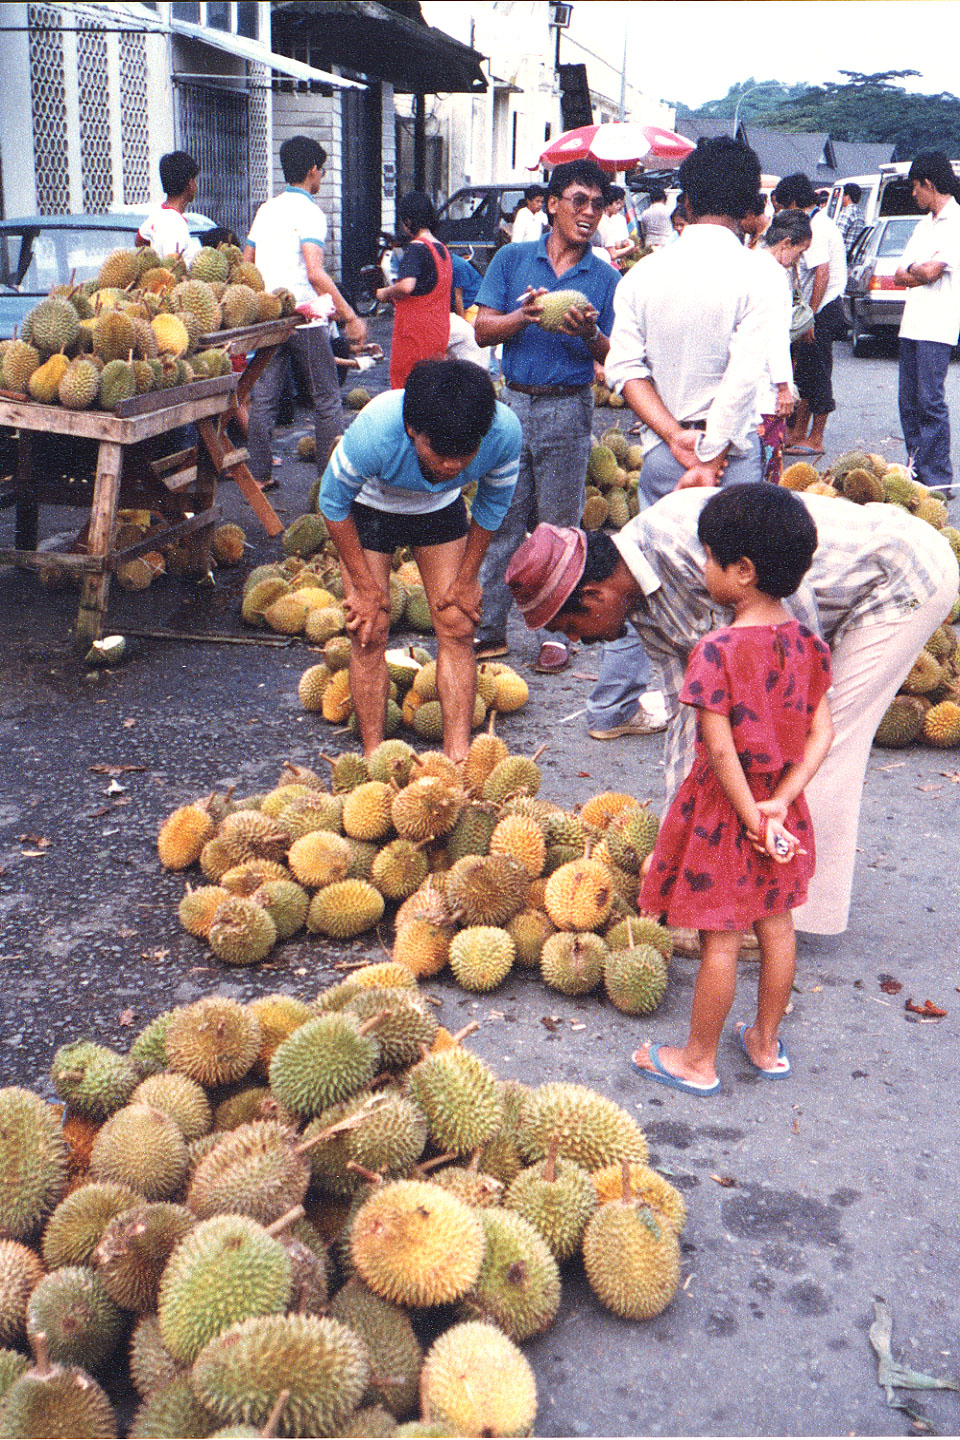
[895,236]
[465,206]
[34,259]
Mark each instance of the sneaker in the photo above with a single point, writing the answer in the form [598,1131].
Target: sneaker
[645,721]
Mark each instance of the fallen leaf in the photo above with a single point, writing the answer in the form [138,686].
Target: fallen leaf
[890,1373]
[952,775]
[129,723]
[726,1181]
[550,1022]
[927,789]
[103,769]
[40,841]
[127,1016]
[100,810]
[928,1010]
[154,954]
[34,854]
[577,1025]
[889,986]
[795,1127]
[584,774]
[115,788]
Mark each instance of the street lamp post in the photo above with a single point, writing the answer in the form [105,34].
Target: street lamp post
[749,91]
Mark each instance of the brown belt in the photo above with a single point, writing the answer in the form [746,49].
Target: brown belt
[560,392]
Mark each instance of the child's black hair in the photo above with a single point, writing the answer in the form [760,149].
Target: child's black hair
[765,524]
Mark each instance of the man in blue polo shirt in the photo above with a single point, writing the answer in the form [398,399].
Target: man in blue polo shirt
[396,479]
[549,377]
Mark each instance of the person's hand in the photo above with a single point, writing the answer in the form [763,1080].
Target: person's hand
[772,837]
[581,323]
[367,609]
[702,474]
[459,607]
[807,338]
[355,330]
[785,402]
[683,447]
[529,303]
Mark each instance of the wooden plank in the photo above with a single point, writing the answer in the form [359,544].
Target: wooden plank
[106,490]
[117,429]
[49,560]
[270,332]
[254,496]
[234,457]
[178,394]
[177,531]
[175,461]
[180,479]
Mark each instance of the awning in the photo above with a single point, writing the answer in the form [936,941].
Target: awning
[256,54]
[382,42]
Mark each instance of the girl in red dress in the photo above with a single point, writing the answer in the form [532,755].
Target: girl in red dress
[736,849]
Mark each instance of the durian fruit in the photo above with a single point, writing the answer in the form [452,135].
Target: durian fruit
[286,903]
[183,835]
[80,385]
[591,1129]
[516,775]
[475,1381]
[933,510]
[54,326]
[34,1163]
[12,1366]
[20,360]
[195,296]
[255,1170]
[171,335]
[305,536]
[320,1363]
[529,931]
[422,946]
[486,889]
[344,909]
[113,336]
[357,397]
[76,1227]
[557,1197]
[596,512]
[631,836]
[925,675]
[118,382]
[405,1023]
[250,835]
[518,1287]
[394,1350]
[417,613]
[472,833]
[486,751]
[134,1250]
[319,858]
[80,1323]
[481,957]
[151,1364]
[399,869]
[579,895]
[386,1136]
[632,1257]
[238,306]
[635,979]
[511,693]
[225,1270]
[520,837]
[316,811]
[244,879]
[471,1186]
[149,1048]
[20,1273]
[941,724]
[367,809]
[119,270]
[215,1040]
[861,486]
[648,1187]
[307,447]
[142,1147]
[572,961]
[209,264]
[44,384]
[311,686]
[415,1244]
[179,1097]
[326,1060]
[57,1400]
[640,930]
[425,809]
[460,1097]
[902,722]
[552,307]
[172,1409]
[93,1079]
[228,543]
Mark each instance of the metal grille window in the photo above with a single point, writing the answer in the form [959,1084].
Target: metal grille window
[213,125]
[49,110]
[135,120]
[93,84]
[259,152]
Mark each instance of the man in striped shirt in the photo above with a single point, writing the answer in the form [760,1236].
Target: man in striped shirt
[395,479]
[880,583]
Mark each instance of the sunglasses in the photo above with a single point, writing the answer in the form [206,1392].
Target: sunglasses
[580,201]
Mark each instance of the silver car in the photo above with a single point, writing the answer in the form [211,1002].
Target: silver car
[873,304]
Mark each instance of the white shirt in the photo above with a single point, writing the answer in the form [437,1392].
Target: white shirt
[779,366]
[167,231]
[527,225]
[655,225]
[826,247]
[612,229]
[695,318]
[280,229]
[932,312]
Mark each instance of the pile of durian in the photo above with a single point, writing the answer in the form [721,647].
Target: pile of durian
[485,875]
[927,707]
[273,1209]
[136,327]
[613,476]
[228,545]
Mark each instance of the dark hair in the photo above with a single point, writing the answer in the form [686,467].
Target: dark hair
[853,190]
[298,155]
[795,190]
[657,197]
[579,172]
[720,177]
[533,191]
[617,192]
[177,169]
[601,561]
[416,212]
[219,235]
[792,225]
[934,167]
[452,402]
[763,523]
[757,206]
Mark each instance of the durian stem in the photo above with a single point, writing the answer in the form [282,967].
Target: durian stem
[285,1221]
[350,1123]
[42,1366]
[550,1169]
[427,1165]
[467,1030]
[273,1419]
[373,1022]
[537,753]
[474,1165]
[493,716]
[366,1174]
[331,761]
[626,1190]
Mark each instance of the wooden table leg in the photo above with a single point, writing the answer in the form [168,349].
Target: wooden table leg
[28,509]
[103,513]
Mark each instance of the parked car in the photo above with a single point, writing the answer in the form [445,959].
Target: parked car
[39,251]
[873,303]
[473,218]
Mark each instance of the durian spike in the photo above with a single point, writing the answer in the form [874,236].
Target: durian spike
[626,1192]
[467,1030]
[285,1221]
[273,1419]
[550,1169]
[42,1356]
[372,1175]
[350,1123]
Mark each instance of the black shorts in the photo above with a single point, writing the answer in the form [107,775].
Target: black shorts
[385,530]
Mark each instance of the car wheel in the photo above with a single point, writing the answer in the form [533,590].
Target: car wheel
[861,340]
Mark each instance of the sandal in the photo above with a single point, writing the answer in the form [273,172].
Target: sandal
[554,656]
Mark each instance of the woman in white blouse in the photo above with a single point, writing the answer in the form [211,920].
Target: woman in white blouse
[783,242]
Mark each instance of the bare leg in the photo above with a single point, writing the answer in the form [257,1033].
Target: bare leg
[816,431]
[778,966]
[369,680]
[796,435]
[712,997]
[456,666]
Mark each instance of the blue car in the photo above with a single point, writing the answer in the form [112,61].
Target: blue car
[40,251]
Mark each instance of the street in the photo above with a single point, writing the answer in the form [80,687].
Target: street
[806,1199]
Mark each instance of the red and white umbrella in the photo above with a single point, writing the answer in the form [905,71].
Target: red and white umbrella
[618,145]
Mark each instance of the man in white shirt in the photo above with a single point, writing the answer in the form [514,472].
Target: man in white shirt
[529,222]
[931,317]
[823,277]
[165,228]
[612,232]
[286,242]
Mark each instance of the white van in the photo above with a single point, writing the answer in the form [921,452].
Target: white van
[886,192]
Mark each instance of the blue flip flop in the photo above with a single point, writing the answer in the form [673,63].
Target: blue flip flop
[783,1063]
[676,1082]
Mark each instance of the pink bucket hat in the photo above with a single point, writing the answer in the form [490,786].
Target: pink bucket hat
[545,571]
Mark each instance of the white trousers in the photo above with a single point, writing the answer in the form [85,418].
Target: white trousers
[870,663]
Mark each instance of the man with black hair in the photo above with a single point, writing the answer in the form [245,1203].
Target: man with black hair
[286,242]
[529,222]
[656,227]
[930,273]
[549,375]
[850,219]
[165,228]
[422,292]
[396,479]
[612,232]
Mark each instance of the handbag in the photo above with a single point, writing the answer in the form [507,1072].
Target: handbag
[801,317]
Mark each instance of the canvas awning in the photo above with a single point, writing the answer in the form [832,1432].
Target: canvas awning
[256,54]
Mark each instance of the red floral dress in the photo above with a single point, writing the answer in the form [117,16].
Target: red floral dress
[768,680]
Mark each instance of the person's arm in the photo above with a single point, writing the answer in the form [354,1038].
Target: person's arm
[366,605]
[721,751]
[821,278]
[796,777]
[582,324]
[399,288]
[493,327]
[464,592]
[354,328]
[920,272]
[458,302]
[645,402]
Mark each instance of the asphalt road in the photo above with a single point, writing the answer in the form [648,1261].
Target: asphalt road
[806,1199]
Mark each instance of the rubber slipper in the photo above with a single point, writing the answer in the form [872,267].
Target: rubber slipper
[490,649]
[554,657]
[663,1076]
[783,1064]
[801,450]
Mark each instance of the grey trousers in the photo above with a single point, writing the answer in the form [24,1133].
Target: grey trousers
[309,349]
[550,489]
